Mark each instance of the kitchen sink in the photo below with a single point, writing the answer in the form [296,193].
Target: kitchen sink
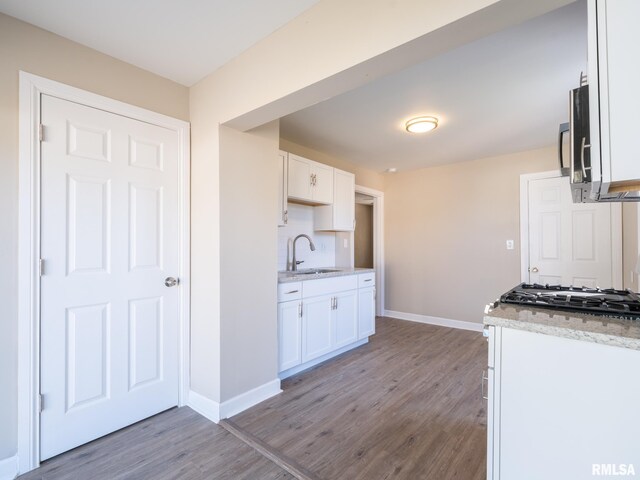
[315,271]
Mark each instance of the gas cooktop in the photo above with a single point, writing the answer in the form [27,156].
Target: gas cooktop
[596,301]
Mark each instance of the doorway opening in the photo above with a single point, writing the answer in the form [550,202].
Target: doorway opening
[363,234]
[367,238]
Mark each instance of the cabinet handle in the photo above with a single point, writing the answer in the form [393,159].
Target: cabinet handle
[292,291]
[300,310]
[286,216]
[336,302]
[484,377]
[368,280]
[315,179]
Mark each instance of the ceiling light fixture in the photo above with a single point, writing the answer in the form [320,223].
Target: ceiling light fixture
[391,170]
[421,124]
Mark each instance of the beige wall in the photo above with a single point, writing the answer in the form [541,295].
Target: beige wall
[365,177]
[297,66]
[24,47]
[445,232]
[363,237]
[248,238]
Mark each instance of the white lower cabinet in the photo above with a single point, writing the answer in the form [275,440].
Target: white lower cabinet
[327,317]
[317,331]
[345,318]
[366,312]
[560,408]
[290,333]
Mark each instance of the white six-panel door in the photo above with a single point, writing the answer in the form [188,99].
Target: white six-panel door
[109,238]
[569,244]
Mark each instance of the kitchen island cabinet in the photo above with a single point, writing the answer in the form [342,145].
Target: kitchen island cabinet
[563,391]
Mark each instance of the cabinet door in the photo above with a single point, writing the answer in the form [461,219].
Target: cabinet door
[282,188]
[564,395]
[322,191]
[366,312]
[613,100]
[345,315]
[289,335]
[344,200]
[317,331]
[299,181]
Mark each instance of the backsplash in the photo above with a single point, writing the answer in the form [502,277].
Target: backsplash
[301,221]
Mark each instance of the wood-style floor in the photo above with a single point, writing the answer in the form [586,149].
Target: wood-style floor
[408,405]
[405,406]
[176,444]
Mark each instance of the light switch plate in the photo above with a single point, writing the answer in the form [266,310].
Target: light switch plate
[345,243]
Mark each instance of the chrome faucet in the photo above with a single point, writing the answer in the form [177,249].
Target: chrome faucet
[294,262]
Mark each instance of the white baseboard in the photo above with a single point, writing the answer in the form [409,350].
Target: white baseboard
[204,406]
[312,363]
[9,468]
[215,411]
[443,322]
[248,399]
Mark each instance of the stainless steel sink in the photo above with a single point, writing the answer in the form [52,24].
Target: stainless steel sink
[316,271]
[310,271]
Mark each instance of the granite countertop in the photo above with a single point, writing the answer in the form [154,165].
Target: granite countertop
[578,326]
[299,276]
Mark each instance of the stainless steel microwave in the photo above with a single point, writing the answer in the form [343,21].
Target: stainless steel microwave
[585,177]
[579,170]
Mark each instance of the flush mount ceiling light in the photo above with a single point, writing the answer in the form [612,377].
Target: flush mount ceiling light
[421,124]
[391,170]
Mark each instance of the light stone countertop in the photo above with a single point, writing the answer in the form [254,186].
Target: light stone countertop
[299,276]
[574,325]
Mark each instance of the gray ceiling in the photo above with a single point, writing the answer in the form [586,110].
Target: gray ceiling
[504,93]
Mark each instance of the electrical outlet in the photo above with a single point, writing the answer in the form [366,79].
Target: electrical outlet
[510,244]
[345,243]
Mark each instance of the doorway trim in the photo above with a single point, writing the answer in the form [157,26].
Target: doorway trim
[378,242]
[616,230]
[31,89]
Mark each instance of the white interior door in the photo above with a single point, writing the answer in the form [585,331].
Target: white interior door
[569,244]
[109,237]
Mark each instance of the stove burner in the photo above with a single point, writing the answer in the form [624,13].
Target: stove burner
[608,302]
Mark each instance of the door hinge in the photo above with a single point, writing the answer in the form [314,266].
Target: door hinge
[40,402]
[40,132]
[41,267]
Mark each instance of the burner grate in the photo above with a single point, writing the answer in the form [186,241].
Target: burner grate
[607,302]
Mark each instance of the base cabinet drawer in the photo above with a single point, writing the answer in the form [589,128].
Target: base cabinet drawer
[367,280]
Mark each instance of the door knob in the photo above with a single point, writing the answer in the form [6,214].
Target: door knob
[171,282]
[534,270]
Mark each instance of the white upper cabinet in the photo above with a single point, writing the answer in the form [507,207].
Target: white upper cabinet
[340,216]
[614,103]
[282,189]
[309,182]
